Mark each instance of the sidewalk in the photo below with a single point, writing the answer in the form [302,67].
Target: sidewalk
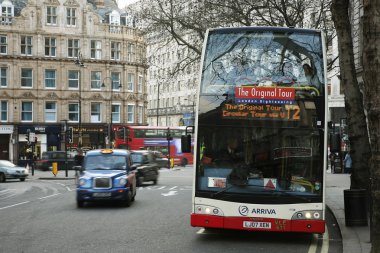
[48,175]
[355,239]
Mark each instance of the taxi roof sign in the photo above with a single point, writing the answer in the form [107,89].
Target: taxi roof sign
[106,151]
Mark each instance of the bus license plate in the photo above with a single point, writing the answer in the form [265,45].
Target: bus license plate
[255,224]
[101,194]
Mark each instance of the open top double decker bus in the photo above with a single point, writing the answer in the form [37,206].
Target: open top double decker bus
[261,138]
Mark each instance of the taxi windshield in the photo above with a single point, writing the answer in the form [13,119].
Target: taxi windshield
[105,162]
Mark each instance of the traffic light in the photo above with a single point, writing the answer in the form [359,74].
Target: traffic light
[69,135]
[169,136]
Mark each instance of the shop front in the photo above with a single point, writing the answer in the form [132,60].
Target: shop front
[6,132]
[89,136]
[41,138]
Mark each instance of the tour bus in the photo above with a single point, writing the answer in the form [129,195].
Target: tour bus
[153,138]
[260,131]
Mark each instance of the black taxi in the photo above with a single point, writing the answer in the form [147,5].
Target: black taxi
[106,175]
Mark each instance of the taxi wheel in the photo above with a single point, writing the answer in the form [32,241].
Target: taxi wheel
[140,181]
[127,202]
[2,178]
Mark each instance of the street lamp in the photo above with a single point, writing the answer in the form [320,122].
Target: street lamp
[111,92]
[158,100]
[79,62]
[65,131]
[193,113]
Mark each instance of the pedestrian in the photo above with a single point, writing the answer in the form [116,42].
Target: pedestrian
[347,163]
[78,159]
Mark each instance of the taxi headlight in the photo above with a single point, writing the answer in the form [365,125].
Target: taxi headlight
[83,182]
[120,182]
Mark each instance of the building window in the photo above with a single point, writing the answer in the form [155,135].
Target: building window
[95,113]
[50,46]
[96,77]
[7,12]
[140,114]
[131,113]
[74,112]
[140,84]
[27,111]
[27,78]
[73,79]
[96,49]
[72,48]
[115,50]
[51,112]
[51,15]
[131,81]
[3,44]
[131,52]
[3,77]
[115,80]
[4,111]
[115,113]
[71,17]
[26,45]
[50,76]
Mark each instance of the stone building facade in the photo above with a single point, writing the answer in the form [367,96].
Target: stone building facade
[67,64]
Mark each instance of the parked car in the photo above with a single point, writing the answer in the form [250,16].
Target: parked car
[147,168]
[8,170]
[106,175]
[161,160]
[48,157]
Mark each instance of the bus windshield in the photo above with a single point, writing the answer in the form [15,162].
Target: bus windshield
[261,116]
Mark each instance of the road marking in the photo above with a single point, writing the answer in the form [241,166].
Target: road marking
[161,188]
[325,242]
[49,196]
[5,207]
[170,193]
[313,244]
[201,231]
[173,188]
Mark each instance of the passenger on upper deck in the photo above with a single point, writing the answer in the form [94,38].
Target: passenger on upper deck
[311,76]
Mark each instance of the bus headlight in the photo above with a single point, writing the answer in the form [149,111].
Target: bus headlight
[209,210]
[308,215]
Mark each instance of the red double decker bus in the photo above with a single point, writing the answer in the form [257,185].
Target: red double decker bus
[153,138]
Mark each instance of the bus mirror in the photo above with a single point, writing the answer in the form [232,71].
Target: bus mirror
[186,143]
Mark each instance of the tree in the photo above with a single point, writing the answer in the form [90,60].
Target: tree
[371,88]
[356,120]
[186,22]
[371,71]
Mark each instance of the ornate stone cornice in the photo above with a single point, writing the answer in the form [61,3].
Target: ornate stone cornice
[28,94]
[52,2]
[5,94]
[51,95]
[71,3]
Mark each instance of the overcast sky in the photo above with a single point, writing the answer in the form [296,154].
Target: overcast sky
[123,3]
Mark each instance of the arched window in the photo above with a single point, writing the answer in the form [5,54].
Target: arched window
[7,12]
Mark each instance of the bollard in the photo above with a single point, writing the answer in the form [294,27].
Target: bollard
[355,207]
